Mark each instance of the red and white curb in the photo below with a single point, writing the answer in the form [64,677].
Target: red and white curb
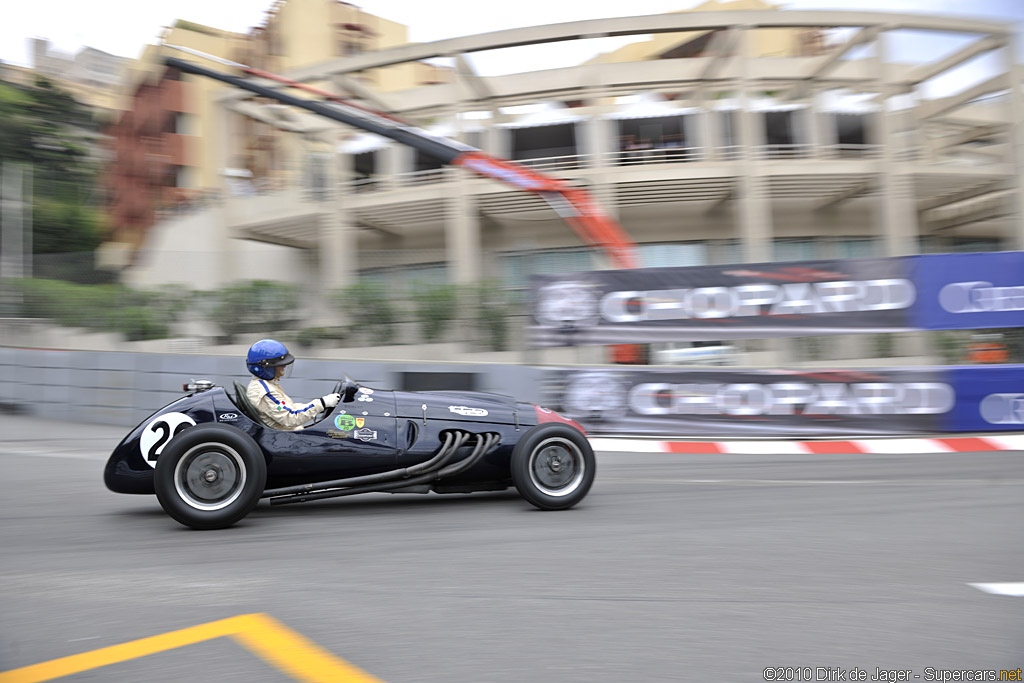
[965,444]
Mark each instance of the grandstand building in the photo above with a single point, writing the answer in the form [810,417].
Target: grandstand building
[735,133]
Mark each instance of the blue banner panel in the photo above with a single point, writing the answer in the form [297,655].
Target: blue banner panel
[988,398]
[968,291]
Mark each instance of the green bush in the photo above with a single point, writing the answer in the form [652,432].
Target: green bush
[883,345]
[254,306]
[138,323]
[369,309]
[950,345]
[171,301]
[492,311]
[309,336]
[105,308]
[435,306]
[75,305]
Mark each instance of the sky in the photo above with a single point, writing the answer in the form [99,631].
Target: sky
[123,27]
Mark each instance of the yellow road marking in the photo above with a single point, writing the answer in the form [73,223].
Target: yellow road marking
[266,637]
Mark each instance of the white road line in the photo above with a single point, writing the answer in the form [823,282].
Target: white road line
[901,446]
[1016,589]
[825,482]
[35,453]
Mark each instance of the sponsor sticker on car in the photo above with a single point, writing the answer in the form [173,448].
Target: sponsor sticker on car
[467,411]
[346,422]
[366,435]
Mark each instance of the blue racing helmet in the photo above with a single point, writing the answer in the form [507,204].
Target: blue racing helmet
[266,355]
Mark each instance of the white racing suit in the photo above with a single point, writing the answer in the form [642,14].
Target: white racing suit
[276,409]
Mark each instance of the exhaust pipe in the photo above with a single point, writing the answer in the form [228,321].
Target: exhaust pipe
[485,443]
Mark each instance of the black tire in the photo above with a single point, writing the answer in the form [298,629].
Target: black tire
[210,476]
[553,466]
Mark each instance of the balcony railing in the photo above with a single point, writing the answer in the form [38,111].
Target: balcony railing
[650,156]
[783,151]
[569,162]
[365,184]
[657,155]
[853,151]
[430,175]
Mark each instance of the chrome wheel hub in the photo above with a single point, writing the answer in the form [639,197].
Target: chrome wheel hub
[209,476]
[557,467]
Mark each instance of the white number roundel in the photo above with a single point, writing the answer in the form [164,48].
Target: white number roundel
[159,431]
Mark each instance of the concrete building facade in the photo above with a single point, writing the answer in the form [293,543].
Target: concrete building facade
[176,147]
[710,143]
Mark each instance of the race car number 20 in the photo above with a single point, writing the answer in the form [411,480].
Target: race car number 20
[159,431]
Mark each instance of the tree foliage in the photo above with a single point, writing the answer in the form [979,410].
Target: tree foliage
[45,129]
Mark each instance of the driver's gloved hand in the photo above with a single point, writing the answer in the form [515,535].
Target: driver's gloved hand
[330,400]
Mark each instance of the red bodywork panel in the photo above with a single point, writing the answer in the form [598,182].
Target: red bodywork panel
[545,415]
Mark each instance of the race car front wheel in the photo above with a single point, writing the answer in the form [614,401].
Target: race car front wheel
[553,466]
[210,476]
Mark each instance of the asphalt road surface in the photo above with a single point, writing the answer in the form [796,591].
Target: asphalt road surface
[675,568]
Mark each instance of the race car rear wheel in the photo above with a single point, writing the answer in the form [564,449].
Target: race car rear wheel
[210,476]
[553,466]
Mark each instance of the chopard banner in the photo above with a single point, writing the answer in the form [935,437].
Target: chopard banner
[721,302]
[947,291]
[754,402]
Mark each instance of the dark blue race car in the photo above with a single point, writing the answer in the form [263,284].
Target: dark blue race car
[210,459]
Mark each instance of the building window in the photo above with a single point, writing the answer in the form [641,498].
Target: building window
[431,274]
[850,134]
[859,247]
[539,142]
[799,249]
[674,255]
[653,132]
[724,252]
[349,47]
[519,267]
[779,136]
[364,168]
[350,39]
[975,244]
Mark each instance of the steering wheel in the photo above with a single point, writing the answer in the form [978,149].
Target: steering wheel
[347,387]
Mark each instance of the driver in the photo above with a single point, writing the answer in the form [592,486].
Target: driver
[268,360]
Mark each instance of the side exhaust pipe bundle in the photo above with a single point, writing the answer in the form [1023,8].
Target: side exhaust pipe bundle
[423,473]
